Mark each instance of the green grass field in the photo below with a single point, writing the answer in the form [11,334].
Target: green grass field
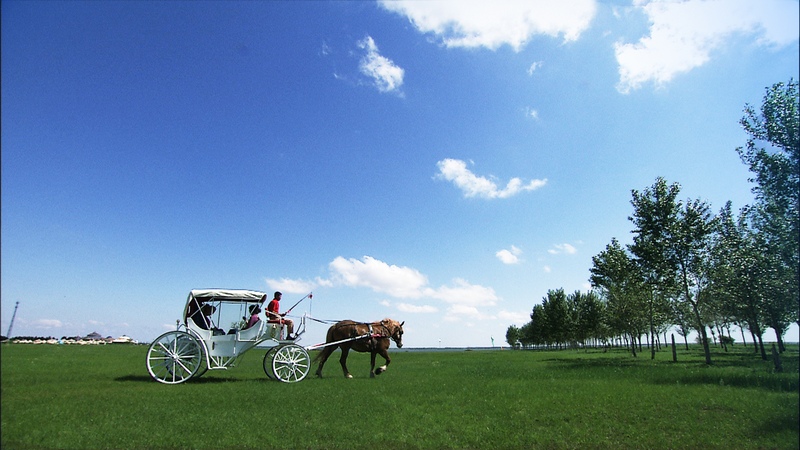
[95,397]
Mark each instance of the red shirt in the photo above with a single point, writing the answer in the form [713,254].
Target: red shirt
[273,310]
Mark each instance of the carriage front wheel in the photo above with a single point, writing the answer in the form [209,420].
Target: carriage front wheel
[174,357]
[291,363]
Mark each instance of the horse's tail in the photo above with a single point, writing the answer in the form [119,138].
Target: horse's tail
[326,349]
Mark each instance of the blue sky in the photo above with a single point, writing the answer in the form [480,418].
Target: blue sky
[441,163]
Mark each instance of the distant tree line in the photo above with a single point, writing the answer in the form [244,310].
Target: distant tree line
[691,269]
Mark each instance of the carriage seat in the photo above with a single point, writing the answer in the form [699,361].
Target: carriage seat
[252,333]
[275,330]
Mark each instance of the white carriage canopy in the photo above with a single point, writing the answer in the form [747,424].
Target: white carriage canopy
[199,296]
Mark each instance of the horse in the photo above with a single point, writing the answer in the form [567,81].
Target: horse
[362,337]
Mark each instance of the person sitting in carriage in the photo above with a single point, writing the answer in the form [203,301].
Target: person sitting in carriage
[274,316]
[254,311]
[202,318]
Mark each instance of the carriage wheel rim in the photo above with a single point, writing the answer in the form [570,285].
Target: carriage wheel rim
[291,363]
[174,357]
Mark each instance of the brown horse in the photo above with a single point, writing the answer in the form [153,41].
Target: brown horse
[362,337]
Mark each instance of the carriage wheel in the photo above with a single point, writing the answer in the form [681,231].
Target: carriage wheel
[174,357]
[268,362]
[291,363]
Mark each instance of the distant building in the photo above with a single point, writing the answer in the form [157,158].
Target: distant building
[123,340]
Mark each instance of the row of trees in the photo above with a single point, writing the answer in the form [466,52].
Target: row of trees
[690,268]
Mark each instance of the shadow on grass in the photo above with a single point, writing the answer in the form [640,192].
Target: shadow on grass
[728,369]
[200,380]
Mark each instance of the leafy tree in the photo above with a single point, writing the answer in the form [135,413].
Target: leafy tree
[535,331]
[526,335]
[619,281]
[559,325]
[655,217]
[671,243]
[587,315]
[738,272]
[776,215]
[513,336]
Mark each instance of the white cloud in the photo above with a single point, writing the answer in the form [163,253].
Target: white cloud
[456,312]
[547,269]
[532,113]
[387,76]
[534,67]
[456,171]
[509,256]
[515,317]
[562,248]
[683,35]
[464,293]
[479,23]
[51,323]
[415,309]
[463,298]
[400,282]
[289,286]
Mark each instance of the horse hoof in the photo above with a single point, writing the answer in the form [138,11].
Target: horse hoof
[348,376]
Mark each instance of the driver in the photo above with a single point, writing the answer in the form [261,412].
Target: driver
[274,316]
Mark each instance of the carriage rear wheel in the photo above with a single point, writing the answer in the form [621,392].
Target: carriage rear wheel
[291,363]
[174,357]
[268,362]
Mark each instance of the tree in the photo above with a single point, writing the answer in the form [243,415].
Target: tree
[535,331]
[559,324]
[587,311]
[738,272]
[655,217]
[513,336]
[618,279]
[671,244]
[776,215]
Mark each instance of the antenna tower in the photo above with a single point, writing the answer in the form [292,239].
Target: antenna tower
[8,335]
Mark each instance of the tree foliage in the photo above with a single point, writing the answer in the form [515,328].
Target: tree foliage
[691,269]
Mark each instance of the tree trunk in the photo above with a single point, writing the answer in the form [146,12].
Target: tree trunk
[779,333]
[697,317]
[761,345]
[702,329]
[652,331]
[674,350]
[744,341]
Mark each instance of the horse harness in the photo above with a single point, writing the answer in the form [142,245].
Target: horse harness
[373,335]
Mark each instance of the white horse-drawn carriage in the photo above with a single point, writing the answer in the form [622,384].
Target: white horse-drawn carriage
[216,331]
[214,335]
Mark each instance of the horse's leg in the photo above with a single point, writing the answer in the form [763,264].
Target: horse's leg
[326,352]
[373,353]
[385,354]
[343,361]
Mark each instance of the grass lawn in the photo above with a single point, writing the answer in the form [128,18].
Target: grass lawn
[76,397]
